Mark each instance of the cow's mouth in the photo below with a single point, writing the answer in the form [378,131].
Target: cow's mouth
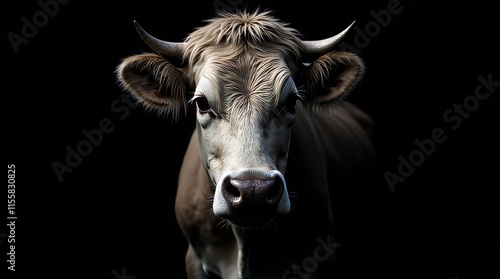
[251,198]
[250,218]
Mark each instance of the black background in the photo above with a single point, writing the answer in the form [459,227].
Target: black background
[115,209]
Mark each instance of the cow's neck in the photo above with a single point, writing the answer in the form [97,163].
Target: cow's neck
[243,239]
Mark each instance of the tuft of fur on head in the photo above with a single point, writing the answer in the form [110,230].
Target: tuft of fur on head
[243,29]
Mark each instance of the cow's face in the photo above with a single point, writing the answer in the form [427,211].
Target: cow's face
[245,106]
[244,83]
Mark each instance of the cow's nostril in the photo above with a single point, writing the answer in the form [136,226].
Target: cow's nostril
[274,192]
[231,192]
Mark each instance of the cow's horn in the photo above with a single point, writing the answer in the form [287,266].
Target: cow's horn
[163,48]
[319,47]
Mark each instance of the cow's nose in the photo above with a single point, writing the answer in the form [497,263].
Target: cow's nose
[251,198]
[252,192]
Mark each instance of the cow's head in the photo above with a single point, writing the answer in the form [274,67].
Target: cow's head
[244,74]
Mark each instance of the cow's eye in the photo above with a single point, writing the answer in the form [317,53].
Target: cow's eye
[290,103]
[202,104]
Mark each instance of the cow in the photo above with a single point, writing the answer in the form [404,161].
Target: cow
[274,134]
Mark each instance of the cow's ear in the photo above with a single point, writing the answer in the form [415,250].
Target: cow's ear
[154,82]
[331,77]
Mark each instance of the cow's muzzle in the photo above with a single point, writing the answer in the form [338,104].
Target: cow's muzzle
[251,198]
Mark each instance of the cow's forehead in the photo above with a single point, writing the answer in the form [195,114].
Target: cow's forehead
[242,63]
[248,71]
[247,59]
[247,82]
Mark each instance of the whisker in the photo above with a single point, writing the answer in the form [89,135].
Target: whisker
[293,194]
